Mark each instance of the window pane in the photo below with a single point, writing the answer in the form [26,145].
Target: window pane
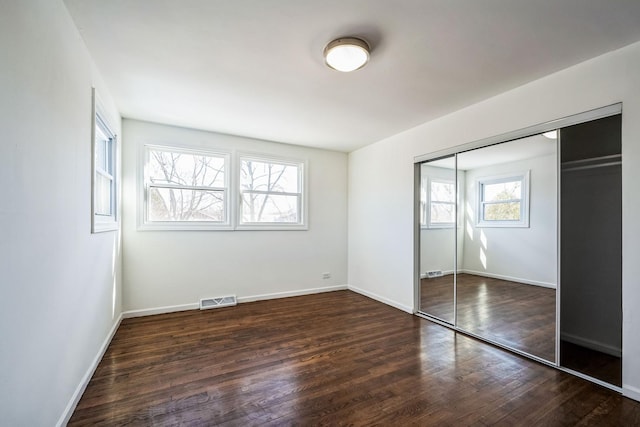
[442,213]
[170,204]
[265,176]
[511,190]
[102,155]
[185,169]
[502,211]
[269,208]
[102,195]
[442,192]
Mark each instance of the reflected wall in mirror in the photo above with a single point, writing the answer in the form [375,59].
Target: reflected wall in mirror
[438,238]
[506,282]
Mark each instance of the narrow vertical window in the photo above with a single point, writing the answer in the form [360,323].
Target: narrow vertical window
[104,163]
[442,204]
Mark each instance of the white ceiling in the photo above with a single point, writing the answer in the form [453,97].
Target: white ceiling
[512,151]
[255,68]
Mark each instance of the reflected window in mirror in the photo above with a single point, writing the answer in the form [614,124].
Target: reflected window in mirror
[503,201]
[492,272]
[437,238]
[442,204]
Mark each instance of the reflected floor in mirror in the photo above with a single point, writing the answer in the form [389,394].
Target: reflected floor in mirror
[436,297]
[514,314]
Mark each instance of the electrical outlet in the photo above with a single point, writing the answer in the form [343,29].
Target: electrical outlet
[326,275]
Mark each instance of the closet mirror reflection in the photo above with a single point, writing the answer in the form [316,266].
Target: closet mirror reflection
[492,213]
[506,282]
[520,242]
[438,238]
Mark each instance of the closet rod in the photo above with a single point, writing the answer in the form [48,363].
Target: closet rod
[601,165]
[592,159]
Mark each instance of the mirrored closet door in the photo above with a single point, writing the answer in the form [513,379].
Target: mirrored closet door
[438,238]
[520,242]
[506,286]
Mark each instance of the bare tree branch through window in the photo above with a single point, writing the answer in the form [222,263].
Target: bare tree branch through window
[186,187]
[270,191]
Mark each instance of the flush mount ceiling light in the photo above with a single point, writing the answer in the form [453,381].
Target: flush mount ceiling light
[346,54]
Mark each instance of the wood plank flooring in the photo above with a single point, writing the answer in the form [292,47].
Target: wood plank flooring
[329,359]
[514,314]
[436,297]
[591,362]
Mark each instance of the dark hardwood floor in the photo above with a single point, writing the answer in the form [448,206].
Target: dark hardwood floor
[329,359]
[436,297]
[514,314]
[591,362]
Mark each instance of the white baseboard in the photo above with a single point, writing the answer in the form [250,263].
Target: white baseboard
[509,278]
[195,306]
[71,406]
[631,392]
[84,382]
[292,293]
[381,299]
[159,310]
[593,345]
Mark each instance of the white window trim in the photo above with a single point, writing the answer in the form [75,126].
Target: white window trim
[302,202]
[524,201]
[428,224]
[143,189]
[100,117]
[232,183]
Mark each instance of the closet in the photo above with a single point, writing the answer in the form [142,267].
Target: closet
[591,249]
[519,242]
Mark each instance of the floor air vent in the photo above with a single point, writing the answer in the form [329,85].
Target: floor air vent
[218,302]
[433,273]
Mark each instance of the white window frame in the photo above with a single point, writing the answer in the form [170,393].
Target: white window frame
[146,184]
[302,166]
[427,209]
[524,178]
[103,122]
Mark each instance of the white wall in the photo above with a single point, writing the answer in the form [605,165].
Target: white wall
[169,268]
[60,291]
[436,250]
[529,254]
[382,262]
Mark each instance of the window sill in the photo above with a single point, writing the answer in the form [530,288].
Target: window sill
[102,227]
[502,225]
[183,227]
[225,227]
[437,227]
[272,227]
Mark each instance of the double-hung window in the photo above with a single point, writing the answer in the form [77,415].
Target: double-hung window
[185,189]
[105,185]
[271,193]
[196,189]
[442,204]
[503,201]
